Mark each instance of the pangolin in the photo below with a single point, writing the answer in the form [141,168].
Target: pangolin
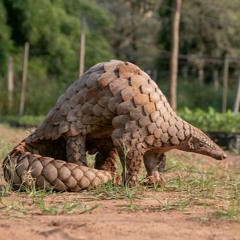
[114,109]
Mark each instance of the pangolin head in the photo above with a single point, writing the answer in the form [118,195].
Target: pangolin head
[200,143]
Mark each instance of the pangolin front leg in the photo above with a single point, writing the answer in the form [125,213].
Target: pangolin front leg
[130,157]
[155,165]
[76,150]
[131,163]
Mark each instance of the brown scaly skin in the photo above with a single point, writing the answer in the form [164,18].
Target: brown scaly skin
[114,102]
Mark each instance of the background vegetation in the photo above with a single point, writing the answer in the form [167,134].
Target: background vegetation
[137,31]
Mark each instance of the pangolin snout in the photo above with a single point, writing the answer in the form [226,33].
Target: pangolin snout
[220,156]
[224,155]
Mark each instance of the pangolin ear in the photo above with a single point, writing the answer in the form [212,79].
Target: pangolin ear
[190,143]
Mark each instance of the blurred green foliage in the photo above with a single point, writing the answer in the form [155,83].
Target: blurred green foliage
[211,120]
[207,121]
[24,121]
[136,31]
[53,30]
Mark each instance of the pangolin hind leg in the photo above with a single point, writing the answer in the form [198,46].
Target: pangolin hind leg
[106,156]
[106,160]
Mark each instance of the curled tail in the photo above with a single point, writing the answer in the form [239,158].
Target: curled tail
[22,167]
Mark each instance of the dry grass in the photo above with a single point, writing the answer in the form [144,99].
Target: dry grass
[192,182]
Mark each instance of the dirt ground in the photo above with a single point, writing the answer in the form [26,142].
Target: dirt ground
[112,218]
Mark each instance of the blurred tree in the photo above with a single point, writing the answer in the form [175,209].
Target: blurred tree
[53,30]
[136,25]
[207,32]
[52,27]
[5,41]
[204,32]
[174,55]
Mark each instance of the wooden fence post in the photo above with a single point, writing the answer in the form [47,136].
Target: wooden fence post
[24,79]
[225,84]
[174,55]
[10,84]
[82,46]
[237,99]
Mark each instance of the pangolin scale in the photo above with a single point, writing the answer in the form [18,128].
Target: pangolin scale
[114,109]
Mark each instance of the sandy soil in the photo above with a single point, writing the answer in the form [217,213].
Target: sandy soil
[112,219]
[107,223]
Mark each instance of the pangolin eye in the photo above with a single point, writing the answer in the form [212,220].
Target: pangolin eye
[201,145]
